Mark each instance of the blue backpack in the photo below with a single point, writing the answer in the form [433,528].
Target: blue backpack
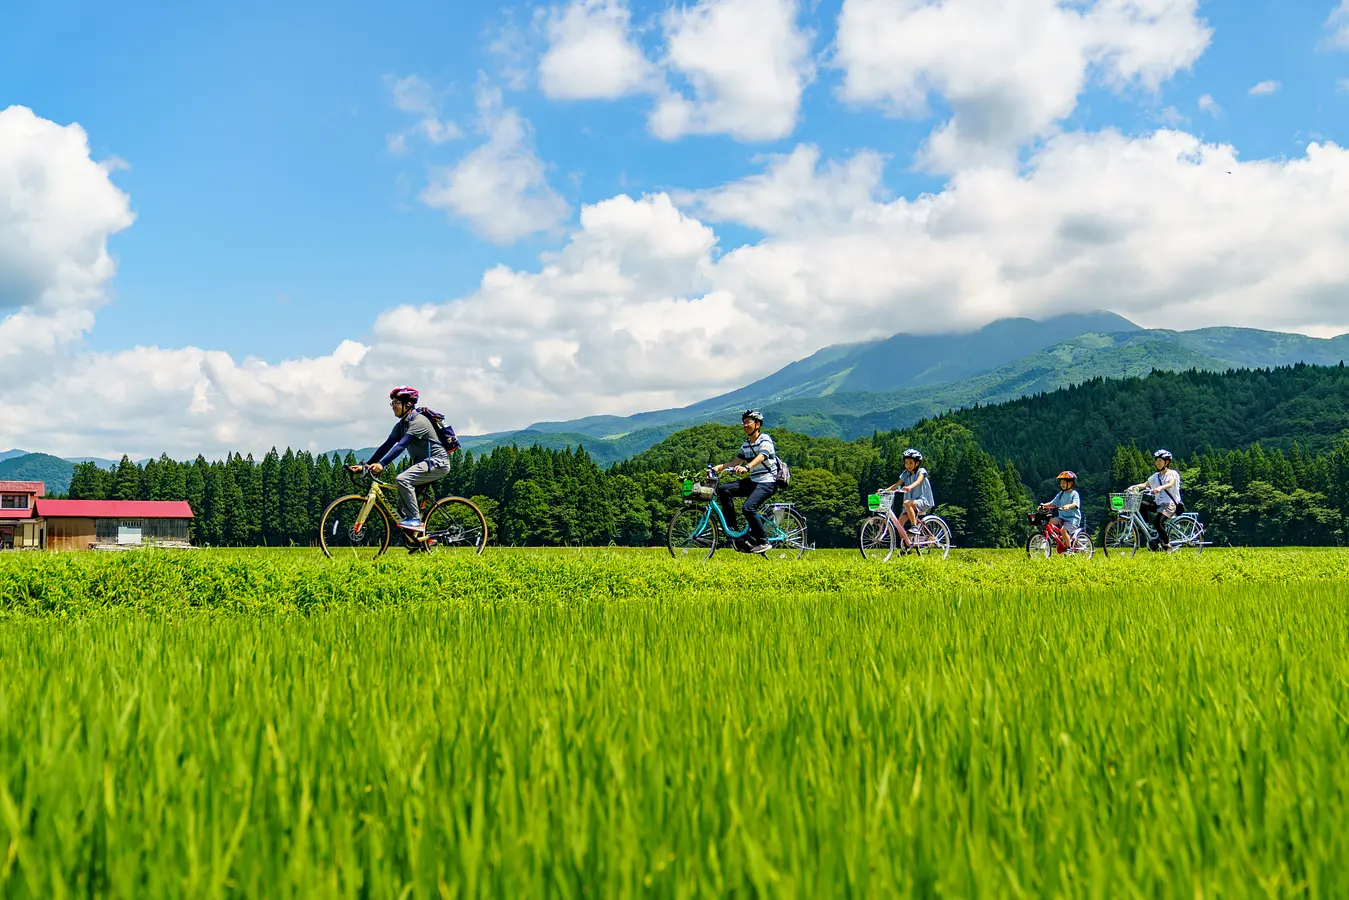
[443,429]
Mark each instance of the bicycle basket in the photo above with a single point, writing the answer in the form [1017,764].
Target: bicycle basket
[1125,503]
[693,491]
[883,501]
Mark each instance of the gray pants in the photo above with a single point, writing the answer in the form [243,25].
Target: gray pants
[423,472]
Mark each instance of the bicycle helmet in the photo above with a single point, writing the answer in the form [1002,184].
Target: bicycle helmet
[912,454]
[404,393]
[752,414]
[1162,454]
[1067,475]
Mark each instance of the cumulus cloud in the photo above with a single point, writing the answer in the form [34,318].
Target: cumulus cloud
[501,188]
[592,54]
[733,67]
[746,63]
[1009,70]
[412,94]
[1264,89]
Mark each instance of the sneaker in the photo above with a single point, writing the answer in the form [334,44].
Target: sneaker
[760,548]
[411,524]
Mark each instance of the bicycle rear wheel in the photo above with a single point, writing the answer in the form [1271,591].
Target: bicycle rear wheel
[876,539]
[1186,533]
[935,534]
[1081,545]
[689,535]
[341,534]
[456,525]
[786,536]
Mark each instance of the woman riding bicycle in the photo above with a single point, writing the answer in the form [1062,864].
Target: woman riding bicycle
[915,482]
[759,464]
[1067,504]
[1165,502]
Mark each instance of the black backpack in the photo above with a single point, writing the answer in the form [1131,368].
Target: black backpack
[443,429]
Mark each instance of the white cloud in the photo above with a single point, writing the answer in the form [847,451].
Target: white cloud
[413,95]
[501,188]
[1264,89]
[747,63]
[58,208]
[1209,105]
[1338,26]
[592,54]
[1010,70]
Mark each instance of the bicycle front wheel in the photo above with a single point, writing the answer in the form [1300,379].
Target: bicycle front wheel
[876,539]
[342,533]
[1120,536]
[690,535]
[1039,546]
[786,535]
[456,524]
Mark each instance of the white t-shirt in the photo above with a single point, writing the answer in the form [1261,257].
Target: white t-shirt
[1169,479]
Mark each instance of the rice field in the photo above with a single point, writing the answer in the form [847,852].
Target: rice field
[617,723]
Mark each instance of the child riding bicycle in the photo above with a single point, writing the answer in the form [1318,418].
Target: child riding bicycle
[1067,504]
[917,485]
[430,459]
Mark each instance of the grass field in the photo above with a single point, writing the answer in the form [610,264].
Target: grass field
[618,723]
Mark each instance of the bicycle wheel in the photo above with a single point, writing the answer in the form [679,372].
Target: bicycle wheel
[786,535]
[340,534]
[1121,536]
[1037,545]
[1186,533]
[1081,545]
[690,536]
[935,534]
[876,539]
[456,525]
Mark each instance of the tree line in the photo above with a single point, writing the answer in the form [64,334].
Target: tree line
[1264,455]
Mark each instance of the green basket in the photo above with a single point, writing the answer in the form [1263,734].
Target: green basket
[873,501]
[1117,503]
[687,487]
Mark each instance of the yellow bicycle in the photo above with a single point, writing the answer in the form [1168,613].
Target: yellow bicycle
[363,525]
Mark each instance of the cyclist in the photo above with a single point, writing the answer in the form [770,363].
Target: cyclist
[915,482]
[1165,502]
[1067,504]
[415,434]
[759,466]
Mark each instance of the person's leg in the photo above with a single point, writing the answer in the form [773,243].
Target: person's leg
[726,494]
[758,496]
[421,473]
[1163,515]
[911,513]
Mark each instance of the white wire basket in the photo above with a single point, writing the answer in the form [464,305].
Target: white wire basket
[1127,502]
[884,503]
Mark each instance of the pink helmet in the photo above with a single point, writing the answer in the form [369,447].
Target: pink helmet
[404,393]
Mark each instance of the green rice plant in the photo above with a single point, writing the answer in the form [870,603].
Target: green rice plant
[592,724]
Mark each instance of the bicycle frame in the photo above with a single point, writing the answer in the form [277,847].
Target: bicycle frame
[375,496]
[714,506]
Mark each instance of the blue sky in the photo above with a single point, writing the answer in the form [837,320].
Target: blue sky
[272,218]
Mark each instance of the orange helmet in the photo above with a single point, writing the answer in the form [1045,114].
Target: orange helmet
[1068,475]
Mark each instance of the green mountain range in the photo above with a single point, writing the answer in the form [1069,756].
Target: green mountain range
[849,390]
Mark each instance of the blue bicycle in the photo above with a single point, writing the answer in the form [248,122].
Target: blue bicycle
[699,527]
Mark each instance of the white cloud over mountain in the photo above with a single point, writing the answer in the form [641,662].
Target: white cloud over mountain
[646,306]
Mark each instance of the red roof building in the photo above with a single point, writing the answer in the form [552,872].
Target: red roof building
[18,528]
[80,524]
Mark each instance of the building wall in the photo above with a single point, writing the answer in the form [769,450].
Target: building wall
[69,534]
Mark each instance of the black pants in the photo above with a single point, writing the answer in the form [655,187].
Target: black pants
[757,494]
[1159,517]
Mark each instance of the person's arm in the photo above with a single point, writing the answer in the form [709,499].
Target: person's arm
[394,451]
[1073,504]
[728,465]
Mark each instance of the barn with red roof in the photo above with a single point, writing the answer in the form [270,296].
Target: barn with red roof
[84,524]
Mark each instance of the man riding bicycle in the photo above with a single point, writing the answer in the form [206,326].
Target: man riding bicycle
[415,434]
[1165,502]
[759,465]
